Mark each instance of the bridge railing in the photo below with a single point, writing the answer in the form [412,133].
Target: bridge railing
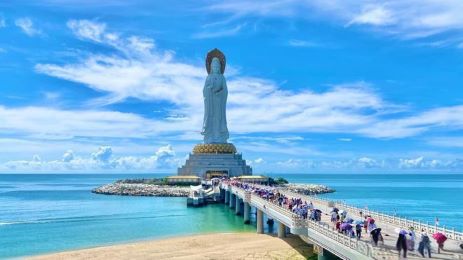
[405,223]
[253,198]
[239,192]
[363,247]
[385,218]
[324,229]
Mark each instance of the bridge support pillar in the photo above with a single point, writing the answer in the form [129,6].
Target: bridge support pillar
[232,200]
[227,196]
[246,212]
[325,254]
[238,205]
[260,221]
[281,230]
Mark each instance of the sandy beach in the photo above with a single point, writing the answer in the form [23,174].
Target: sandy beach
[208,246]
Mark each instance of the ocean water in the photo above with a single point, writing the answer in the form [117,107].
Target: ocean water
[42,213]
[414,196]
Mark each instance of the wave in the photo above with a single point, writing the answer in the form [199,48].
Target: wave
[87,218]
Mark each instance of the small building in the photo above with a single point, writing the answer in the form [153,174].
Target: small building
[257,179]
[188,179]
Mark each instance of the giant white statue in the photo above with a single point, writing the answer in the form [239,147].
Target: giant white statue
[215,94]
[215,157]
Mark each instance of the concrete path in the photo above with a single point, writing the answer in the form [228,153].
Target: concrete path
[452,249]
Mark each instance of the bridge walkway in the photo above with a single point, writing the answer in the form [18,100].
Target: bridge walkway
[323,234]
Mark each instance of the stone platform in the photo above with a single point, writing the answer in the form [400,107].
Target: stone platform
[214,160]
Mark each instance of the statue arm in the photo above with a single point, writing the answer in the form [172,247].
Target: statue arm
[222,86]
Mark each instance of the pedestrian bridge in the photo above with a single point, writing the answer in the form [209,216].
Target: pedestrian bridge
[327,241]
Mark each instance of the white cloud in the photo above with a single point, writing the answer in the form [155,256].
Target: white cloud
[137,69]
[367,162]
[345,139]
[438,118]
[51,123]
[294,164]
[68,156]
[36,158]
[412,163]
[302,43]
[374,15]
[165,156]
[404,18]
[27,26]
[101,160]
[255,105]
[259,160]
[255,162]
[219,33]
[103,154]
[86,29]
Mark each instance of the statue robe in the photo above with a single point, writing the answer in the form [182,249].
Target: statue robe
[215,100]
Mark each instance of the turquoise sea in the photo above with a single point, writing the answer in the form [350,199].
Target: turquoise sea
[42,213]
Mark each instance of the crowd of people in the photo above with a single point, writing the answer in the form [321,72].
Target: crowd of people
[407,238]
[300,207]
[343,223]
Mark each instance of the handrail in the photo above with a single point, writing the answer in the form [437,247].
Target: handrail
[406,223]
[323,229]
[401,222]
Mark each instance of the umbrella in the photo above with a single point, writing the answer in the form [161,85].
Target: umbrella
[403,232]
[439,237]
[349,220]
[376,230]
[318,210]
[346,226]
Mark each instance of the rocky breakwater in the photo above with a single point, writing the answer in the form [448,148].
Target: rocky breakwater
[142,189]
[307,189]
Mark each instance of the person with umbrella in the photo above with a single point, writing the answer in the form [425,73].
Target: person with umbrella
[401,244]
[440,240]
[370,225]
[334,216]
[375,234]
[345,227]
[365,223]
[318,215]
[358,228]
[343,214]
[425,243]
[411,241]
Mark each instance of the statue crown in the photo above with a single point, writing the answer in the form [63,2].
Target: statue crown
[215,53]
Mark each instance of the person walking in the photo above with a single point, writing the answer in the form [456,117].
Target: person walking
[411,240]
[358,230]
[425,244]
[375,235]
[401,244]
[440,240]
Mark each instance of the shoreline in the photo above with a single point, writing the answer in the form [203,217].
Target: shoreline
[236,245]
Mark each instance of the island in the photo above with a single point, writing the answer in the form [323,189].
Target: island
[174,186]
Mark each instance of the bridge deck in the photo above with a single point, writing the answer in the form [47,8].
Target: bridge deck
[323,233]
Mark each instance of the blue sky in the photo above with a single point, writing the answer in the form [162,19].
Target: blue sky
[314,86]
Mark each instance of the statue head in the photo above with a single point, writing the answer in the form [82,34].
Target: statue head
[215,66]
[217,58]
